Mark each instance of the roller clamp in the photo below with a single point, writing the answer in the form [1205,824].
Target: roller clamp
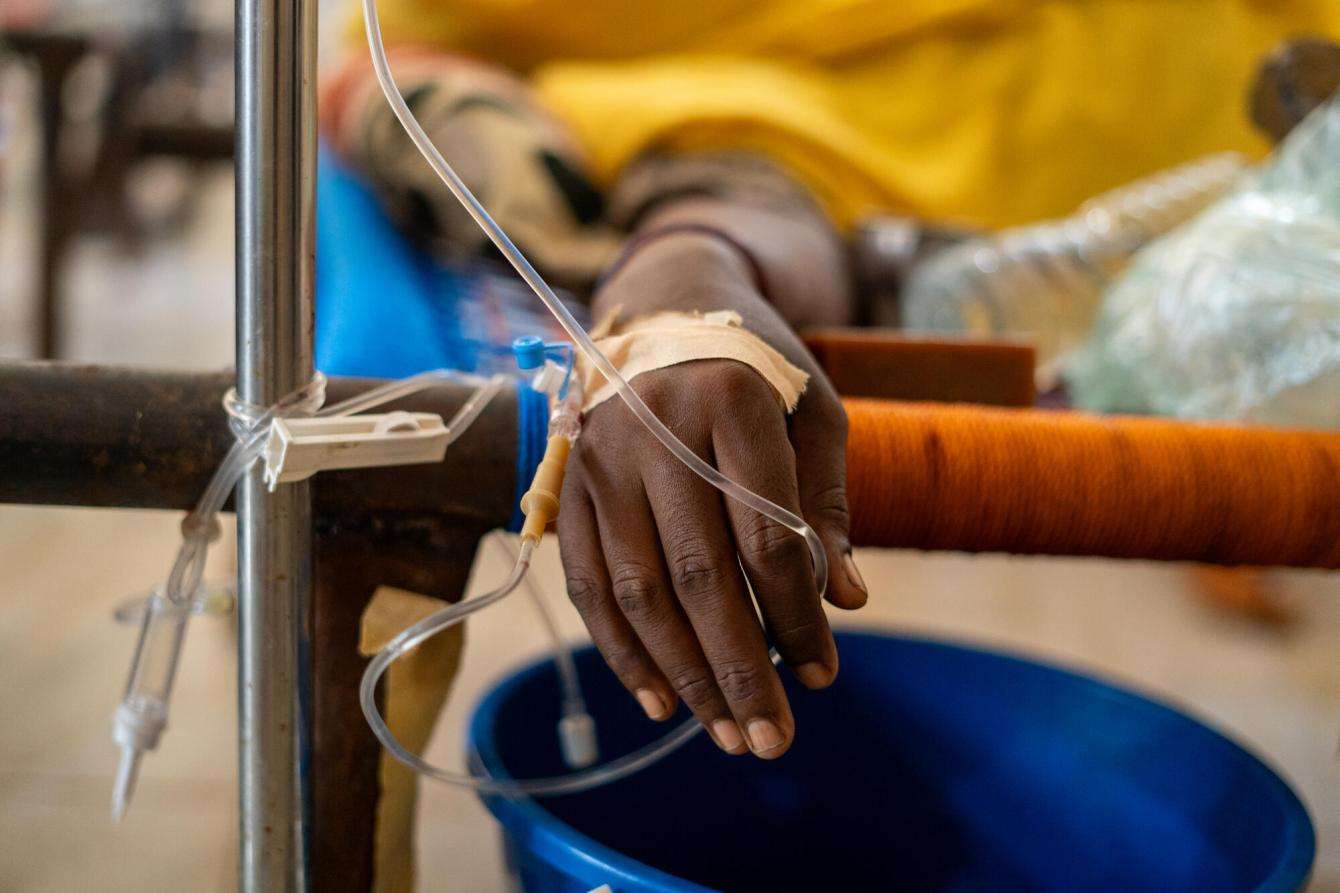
[299,448]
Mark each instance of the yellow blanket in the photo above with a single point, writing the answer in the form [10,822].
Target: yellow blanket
[416,690]
[989,112]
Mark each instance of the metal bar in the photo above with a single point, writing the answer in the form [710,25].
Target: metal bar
[276,157]
[56,57]
[198,142]
[428,557]
[140,438]
[78,435]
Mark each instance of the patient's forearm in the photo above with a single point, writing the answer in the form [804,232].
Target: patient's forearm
[801,258]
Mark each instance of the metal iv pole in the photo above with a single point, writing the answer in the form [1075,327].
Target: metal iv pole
[275,176]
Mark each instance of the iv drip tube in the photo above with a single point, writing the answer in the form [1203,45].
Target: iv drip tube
[583,341]
[576,730]
[252,426]
[143,712]
[567,668]
[140,719]
[632,762]
[559,784]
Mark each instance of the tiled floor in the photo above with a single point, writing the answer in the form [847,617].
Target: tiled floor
[62,571]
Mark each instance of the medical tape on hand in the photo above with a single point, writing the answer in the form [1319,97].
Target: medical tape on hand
[652,342]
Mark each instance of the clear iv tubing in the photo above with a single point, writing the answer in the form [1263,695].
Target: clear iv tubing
[734,490]
[252,430]
[570,783]
[430,626]
[142,715]
[573,702]
[565,422]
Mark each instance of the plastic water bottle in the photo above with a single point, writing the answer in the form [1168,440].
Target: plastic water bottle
[1236,315]
[1044,281]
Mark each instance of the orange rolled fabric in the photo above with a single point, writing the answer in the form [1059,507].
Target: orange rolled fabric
[965,478]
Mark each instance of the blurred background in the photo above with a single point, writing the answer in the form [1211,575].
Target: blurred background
[116,247]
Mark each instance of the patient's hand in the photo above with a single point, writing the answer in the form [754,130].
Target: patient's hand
[657,560]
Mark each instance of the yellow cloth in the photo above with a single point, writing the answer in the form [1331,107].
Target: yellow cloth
[416,688]
[989,112]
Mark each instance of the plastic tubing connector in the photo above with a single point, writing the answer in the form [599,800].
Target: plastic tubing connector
[540,503]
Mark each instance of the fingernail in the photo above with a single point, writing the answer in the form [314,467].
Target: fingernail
[854,573]
[727,736]
[764,736]
[651,703]
[814,675]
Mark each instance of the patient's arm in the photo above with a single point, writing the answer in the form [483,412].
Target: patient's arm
[801,258]
[650,551]
[656,561]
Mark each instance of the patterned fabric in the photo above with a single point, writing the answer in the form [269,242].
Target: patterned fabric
[513,156]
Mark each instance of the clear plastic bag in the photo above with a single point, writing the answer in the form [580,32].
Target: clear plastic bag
[1044,282]
[1235,315]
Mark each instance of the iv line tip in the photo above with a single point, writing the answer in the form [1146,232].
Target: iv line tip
[125,783]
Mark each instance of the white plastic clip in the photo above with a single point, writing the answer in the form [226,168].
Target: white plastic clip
[298,448]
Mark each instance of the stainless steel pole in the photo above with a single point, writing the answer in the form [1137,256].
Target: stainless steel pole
[275,165]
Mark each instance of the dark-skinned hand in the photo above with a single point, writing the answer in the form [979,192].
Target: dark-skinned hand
[660,564]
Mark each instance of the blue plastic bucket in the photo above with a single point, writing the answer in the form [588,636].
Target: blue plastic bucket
[927,766]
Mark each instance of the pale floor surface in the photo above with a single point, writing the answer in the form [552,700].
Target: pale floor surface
[64,570]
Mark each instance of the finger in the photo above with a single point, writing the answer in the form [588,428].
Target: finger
[819,436]
[753,448]
[705,573]
[590,592]
[641,590]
